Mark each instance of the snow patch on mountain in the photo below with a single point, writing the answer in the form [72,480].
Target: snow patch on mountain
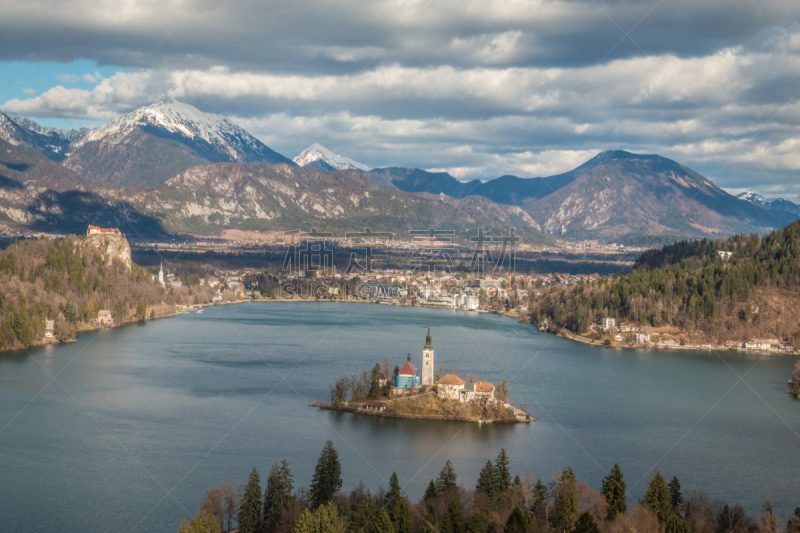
[320,157]
[753,197]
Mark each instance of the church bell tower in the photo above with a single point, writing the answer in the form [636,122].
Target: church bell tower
[427,360]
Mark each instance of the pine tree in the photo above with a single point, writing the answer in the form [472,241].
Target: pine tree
[539,499]
[400,513]
[675,496]
[447,479]
[327,477]
[614,490]
[383,524]
[250,508]
[675,525]
[479,522]
[502,473]
[327,519]
[517,481]
[657,497]
[518,522]
[586,524]
[452,521]
[394,491]
[277,494]
[486,481]
[565,508]
[430,492]
[793,525]
[306,523]
[568,476]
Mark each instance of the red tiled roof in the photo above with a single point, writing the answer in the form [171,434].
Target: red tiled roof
[484,387]
[451,379]
[408,369]
[380,375]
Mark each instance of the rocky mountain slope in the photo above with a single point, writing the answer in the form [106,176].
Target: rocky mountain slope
[150,145]
[21,166]
[320,157]
[647,198]
[53,143]
[776,204]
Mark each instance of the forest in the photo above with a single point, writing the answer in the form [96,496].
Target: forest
[68,283]
[497,504]
[690,285]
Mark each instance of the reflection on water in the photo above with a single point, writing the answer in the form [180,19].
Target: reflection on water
[183,403]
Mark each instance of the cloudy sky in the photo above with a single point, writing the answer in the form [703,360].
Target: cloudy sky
[479,88]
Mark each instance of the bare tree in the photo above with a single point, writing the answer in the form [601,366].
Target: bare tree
[231,496]
[214,504]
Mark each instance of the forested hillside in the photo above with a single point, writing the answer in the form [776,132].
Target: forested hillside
[754,292]
[69,281]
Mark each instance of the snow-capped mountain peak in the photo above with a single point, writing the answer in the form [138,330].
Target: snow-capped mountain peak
[318,156]
[753,198]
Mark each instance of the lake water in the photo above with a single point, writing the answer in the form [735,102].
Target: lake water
[140,420]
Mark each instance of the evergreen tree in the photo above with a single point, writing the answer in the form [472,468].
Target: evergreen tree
[675,525]
[675,496]
[306,523]
[250,508]
[401,515]
[280,485]
[539,499]
[486,481]
[568,476]
[614,490]
[394,491]
[518,522]
[502,473]
[447,479]
[430,492]
[479,522]
[657,497]
[383,524]
[586,524]
[517,481]
[327,519]
[327,477]
[565,508]
[452,521]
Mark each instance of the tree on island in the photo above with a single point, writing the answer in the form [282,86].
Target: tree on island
[250,508]
[327,477]
[614,490]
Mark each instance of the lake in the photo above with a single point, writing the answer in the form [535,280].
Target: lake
[141,419]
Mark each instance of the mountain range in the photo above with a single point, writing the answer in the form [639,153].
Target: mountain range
[169,167]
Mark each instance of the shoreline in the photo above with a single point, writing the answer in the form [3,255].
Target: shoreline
[385,414]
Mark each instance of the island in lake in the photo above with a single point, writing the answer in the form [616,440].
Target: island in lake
[424,394]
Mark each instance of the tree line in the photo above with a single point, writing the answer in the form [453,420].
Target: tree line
[497,504]
[686,284]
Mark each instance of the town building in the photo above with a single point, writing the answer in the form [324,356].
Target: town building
[450,387]
[609,323]
[427,360]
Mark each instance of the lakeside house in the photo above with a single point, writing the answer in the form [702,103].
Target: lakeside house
[609,323]
[49,328]
[104,318]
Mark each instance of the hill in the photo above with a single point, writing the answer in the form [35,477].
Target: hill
[69,281]
[259,196]
[21,166]
[755,293]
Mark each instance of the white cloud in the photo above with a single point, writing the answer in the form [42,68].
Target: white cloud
[68,78]
[28,91]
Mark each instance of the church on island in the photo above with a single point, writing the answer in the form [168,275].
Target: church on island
[448,387]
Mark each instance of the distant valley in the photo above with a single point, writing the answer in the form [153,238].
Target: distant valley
[170,168]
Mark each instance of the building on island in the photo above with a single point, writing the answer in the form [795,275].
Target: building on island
[382,379]
[450,387]
[97,230]
[427,360]
[407,378]
[483,391]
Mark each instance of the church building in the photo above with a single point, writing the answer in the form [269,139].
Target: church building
[427,361]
